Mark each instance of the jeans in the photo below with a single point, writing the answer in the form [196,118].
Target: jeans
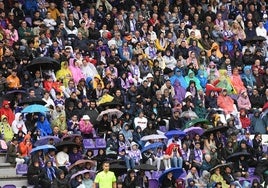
[176,162]
[130,163]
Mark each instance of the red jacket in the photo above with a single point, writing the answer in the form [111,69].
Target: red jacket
[169,149]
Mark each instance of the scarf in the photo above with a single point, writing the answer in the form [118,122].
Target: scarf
[51,173]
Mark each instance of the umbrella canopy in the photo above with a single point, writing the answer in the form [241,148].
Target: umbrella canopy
[214,130]
[112,104]
[68,144]
[196,121]
[45,140]
[153,137]
[70,137]
[110,113]
[82,172]
[11,94]
[35,108]
[145,167]
[43,63]
[192,131]
[189,114]
[235,156]
[43,147]
[173,133]
[175,171]
[258,39]
[118,169]
[82,161]
[31,101]
[221,166]
[152,146]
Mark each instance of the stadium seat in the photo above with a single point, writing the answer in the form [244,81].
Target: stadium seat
[89,143]
[153,183]
[9,186]
[100,143]
[156,174]
[22,169]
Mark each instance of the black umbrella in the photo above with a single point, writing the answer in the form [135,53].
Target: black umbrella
[213,130]
[11,94]
[118,169]
[112,104]
[31,101]
[43,63]
[146,167]
[258,38]
[235,156]
[221,166]
[68,144]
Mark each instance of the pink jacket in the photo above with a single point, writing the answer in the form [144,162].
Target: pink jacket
[243,102]
[85,128]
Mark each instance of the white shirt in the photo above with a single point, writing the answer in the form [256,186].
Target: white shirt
[261,32]
[142,122]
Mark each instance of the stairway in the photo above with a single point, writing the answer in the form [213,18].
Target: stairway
[8,174]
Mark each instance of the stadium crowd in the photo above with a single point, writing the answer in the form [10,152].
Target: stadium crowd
[140,76]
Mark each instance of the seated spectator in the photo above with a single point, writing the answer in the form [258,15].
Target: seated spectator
[13,152]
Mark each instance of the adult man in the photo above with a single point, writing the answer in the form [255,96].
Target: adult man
[105,178]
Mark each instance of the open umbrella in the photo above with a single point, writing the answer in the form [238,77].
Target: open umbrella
[175,171]
[189,114]
[43,147]
[45,140]
[235,156]
[258,39]
[118,169]
[110,113]
[153,137]
[43,63]
[31,101]
[152,146]
[214,130]
[173,133]
[11,94]
[82,172]
[195,122]
[112,104]
[221,166]
[145,167]
[70,137]
[192,131]
[82,161]
[68,144]
[35,108]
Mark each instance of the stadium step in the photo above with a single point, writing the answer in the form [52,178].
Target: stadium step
[8,176]
[2,157]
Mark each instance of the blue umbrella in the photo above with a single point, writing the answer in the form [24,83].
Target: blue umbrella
[177,172]
[152,146]
[35,108]
[172,133]
[43,147]
[44,140]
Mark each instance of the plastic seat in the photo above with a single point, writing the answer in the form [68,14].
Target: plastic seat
[156,174]
[9,186]
[153,183]
[22,169]
[100,143]
[89,143]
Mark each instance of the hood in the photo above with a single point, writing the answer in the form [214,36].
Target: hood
[27,136]
[3,117]
[177,83]
[191,72]
[97,76]
[190,180]
[138,127]
[222,72]
[17,116]
[5,102]
[88,80]
[63,64]
[246,68]
[126,123]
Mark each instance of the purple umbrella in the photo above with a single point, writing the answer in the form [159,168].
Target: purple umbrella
[192,131]
[92,173]
[45,140]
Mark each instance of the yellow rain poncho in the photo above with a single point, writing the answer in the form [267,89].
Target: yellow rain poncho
[64,73]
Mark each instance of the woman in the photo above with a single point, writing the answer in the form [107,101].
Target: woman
[243,101]
[237,82]
[87,181]
[135,153]
[131,181]
[211,100]
[86,126]
[125,52]
[137,135]
[11,34]
[169,181]
[44,126]
[61,181]
[257,145]
[186,156]
[6,130]
[161,42]
[34,174]
[48,175]
[75,155]
[26,147]
[237,30]
[64,73]
[101,157]
[209,143]
[217,177]
[74,67]
[175,155]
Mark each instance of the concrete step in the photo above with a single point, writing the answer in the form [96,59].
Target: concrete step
[2,157]
[18,181]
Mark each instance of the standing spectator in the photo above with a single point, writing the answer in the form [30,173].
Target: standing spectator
[105,178]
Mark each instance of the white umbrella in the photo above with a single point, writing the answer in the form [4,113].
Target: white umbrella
[153,137]
[110,113]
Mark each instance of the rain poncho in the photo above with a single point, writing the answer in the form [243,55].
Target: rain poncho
[202,77]
[44,126]
[18,125]
[6,130]
[76,71]
[64,73]
[95,83]
[237,83]
[127,133]
[191,76]
[248,77]
[7,111]
[178,76]
[224,81]
[257,123]
[226,103]
[179,91]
